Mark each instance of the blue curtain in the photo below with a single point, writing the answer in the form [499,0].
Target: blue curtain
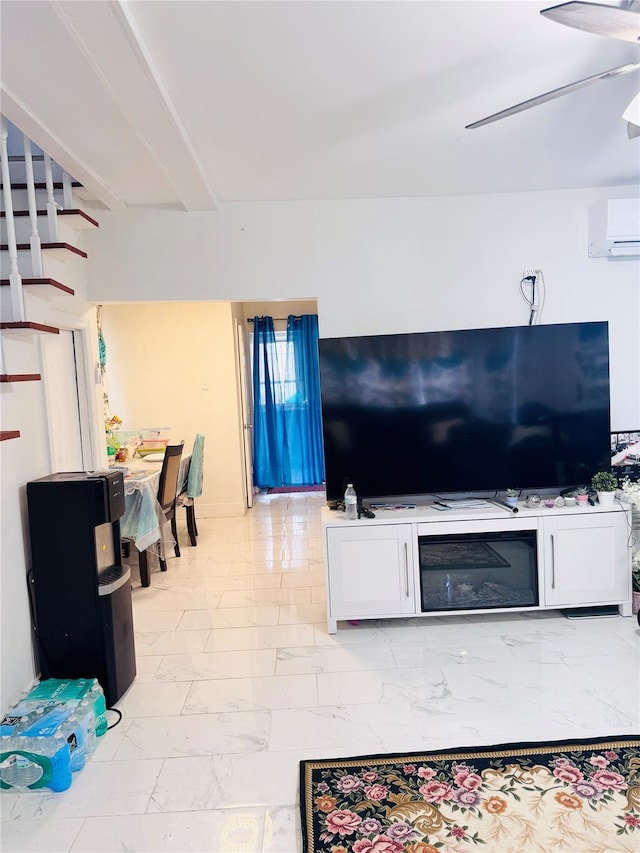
[287,438]
[268,409]
[303,416]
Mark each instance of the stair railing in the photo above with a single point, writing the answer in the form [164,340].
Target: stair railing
[67,190]
[52,208]
[34,239]
[15,279]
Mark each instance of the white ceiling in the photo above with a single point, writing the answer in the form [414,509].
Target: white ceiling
[198,102]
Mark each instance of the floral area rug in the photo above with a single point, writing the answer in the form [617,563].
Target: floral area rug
[576,796]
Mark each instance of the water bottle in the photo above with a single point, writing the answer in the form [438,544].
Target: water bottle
[18,771]
[61,720]
[74,690]
[75,734]
[97,698]
[87,720]
[449,589]
[350,503]
[21,716]
[30,763]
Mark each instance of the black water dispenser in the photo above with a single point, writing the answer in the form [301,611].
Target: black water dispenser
[80,592]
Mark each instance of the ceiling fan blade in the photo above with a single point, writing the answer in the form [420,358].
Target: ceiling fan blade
[553,94]
[633,130]
[618,22]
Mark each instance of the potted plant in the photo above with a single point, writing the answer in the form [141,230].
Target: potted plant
[582,494]
[570,499]
[512,496]
[605,484]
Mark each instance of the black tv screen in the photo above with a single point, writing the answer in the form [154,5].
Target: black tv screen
[469,411]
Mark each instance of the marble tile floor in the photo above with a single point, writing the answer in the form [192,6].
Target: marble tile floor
[238,681]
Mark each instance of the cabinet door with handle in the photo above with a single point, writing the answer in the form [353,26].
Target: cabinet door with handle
[586,559]
[370,571]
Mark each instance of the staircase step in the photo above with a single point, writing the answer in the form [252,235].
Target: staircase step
[20,377]
[30,327]
[51,282]
[66,247]
[76,218]
[9,433]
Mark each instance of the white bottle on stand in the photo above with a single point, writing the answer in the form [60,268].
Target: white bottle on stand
[350,503]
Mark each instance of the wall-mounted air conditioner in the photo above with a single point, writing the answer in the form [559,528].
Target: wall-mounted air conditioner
[614,228]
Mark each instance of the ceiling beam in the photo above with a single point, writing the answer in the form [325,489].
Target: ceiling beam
[201,197]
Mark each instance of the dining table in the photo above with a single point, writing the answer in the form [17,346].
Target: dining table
[144,522]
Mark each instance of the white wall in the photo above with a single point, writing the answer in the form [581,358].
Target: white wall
[386,265]
[175,365]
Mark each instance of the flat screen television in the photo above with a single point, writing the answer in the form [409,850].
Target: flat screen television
[469,411]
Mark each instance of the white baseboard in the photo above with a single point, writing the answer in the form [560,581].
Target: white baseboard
[220,510]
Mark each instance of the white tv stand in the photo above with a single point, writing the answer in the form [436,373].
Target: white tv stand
[373,571]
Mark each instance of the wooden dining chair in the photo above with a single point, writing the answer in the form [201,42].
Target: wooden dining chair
[167,497]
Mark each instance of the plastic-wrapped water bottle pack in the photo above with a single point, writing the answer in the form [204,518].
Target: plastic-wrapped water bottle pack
[50,733]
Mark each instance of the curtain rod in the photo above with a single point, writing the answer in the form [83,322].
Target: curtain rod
[282,319]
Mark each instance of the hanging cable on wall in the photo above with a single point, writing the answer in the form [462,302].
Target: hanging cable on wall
[535,296]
